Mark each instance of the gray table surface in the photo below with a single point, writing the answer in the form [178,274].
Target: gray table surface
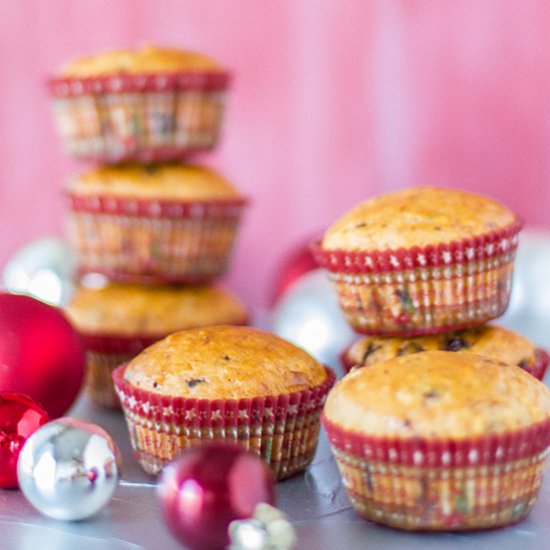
[314,501]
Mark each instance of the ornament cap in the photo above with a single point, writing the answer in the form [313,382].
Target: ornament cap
[267,529]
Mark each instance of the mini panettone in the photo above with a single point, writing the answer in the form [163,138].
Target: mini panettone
[421,260]
[440,441]
[148,104]
[116,322]
[158,223]
[236,384]
[499,343]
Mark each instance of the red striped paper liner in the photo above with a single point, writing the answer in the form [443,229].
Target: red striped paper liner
[73,86]
[537,367]
[104,353]
[485,246]
[346,363]
[282,429]
[153,242]
[139,117]
[540,365]
[157,208]
[419,484]
[424,290]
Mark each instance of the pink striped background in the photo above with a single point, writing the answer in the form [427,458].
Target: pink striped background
[332,101]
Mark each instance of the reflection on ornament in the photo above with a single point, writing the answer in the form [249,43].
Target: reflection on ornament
[43,269]
[40,353]
[308,315]
[20,416]
[208,487]
[68,469]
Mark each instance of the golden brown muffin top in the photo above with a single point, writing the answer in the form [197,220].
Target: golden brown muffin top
[146,60]
[438,394]
[224,362]
[155,181]
[129,310]
[490,340]
[416,217]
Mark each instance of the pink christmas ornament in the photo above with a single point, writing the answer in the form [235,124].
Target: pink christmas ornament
[208,487]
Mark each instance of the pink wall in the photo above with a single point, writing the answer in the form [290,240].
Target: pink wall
[332,101]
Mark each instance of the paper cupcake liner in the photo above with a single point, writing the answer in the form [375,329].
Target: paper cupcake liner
[63,87]
[140,248]
[105,353]
[139,117]
[427,290]
[282,429]
[537,367]
[417,484]
[99,383]
[346,363]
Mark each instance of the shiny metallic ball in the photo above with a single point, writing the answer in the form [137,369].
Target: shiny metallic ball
[68,469]
[308,314]
[43,269]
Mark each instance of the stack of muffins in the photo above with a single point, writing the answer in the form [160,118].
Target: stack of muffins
[159,230]
[426,438]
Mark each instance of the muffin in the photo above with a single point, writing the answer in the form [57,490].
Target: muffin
[440,440]
[147,104]
[420,261]
[116,322]
[236,384]
[158,223]
[499,343]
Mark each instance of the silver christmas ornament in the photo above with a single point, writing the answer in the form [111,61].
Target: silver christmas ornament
[530,300]
[308,314]
[43,269]
[68,469]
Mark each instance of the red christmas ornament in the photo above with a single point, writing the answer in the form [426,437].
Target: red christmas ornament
[299,261]
[40,353]
[20,416]
[209,486]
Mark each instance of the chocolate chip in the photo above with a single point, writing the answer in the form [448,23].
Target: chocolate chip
[431,394]
[194,381]
[455,343]
[227,358]
[523,364]
[155,384]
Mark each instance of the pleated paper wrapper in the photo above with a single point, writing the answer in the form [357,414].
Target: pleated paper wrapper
[139,117]
[153,241]
[282,429]
[418,484]
[424,290]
